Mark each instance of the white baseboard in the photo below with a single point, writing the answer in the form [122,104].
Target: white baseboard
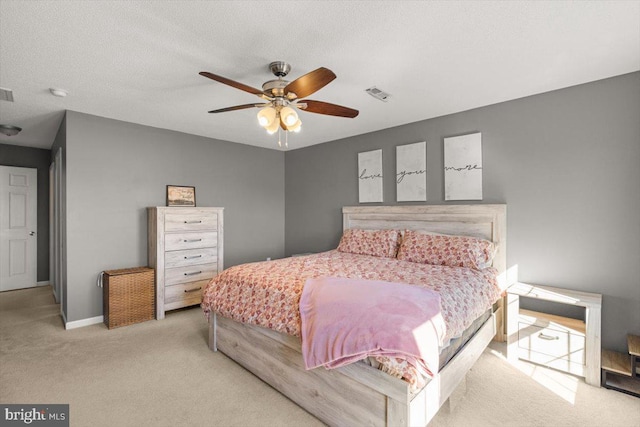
[43,283]
[84,322]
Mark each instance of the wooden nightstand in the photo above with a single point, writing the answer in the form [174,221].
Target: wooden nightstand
[566,344]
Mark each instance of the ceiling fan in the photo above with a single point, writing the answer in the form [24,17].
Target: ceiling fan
[283,98]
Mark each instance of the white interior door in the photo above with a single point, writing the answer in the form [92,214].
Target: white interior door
[18,225]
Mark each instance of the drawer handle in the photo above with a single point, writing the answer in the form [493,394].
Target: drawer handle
[192,290]
[193,222]
[194,273]
[192,257]
[192,240]
[547,337]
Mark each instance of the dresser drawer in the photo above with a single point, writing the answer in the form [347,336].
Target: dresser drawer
[184,294]
[190,257]
[545,344]
[192,221]
[192,273]
[192,240]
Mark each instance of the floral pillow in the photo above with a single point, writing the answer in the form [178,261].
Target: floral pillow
[453,251]
[380,243]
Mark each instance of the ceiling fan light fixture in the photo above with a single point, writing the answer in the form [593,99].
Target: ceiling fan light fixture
[284,97]
[289,116]
[266,116]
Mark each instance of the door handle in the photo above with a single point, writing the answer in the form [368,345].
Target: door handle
[32,233]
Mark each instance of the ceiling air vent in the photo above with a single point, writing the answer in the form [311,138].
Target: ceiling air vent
[378,94]
[6,94]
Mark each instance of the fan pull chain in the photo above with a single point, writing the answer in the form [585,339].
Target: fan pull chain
[279,140]
[286,139]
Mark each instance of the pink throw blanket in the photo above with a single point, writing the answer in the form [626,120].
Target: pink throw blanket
[346,320]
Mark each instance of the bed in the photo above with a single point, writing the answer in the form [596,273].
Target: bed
[358,393]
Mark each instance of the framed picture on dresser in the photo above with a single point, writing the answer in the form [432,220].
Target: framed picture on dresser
[180,195]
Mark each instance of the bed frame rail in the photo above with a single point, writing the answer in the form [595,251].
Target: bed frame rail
[356,394]
[334,396]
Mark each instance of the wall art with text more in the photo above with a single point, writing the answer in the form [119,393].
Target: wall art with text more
[463,167]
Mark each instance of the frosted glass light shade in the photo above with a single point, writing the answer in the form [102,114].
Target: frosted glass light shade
[296,127]
[289,116]
[273,127]
[266,116]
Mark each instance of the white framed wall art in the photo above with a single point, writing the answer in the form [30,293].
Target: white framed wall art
[411,172]
[463,167]
[370,176]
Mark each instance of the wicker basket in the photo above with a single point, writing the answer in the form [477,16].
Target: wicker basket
[128,296]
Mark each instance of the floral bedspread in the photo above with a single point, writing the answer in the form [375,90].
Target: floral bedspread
[268,293]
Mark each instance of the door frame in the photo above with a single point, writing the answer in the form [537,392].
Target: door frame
[52,266]
[55,220]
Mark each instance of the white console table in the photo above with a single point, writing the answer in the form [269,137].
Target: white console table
[571,345]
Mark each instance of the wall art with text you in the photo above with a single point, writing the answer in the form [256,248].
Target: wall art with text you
[411,172]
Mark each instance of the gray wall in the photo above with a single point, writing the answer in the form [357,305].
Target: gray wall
[566,163]
[115,169]
[27,157]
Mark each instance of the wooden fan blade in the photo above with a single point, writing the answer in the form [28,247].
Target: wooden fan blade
[233,83]
[320,107]
[237,107]
[310,82]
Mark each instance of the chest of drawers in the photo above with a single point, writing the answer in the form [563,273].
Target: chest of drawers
[186,250]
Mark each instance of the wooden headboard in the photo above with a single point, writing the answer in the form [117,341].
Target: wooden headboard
[484,221]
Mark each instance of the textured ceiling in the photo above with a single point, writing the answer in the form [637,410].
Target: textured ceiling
[138,61]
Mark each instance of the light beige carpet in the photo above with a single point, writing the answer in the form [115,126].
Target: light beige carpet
[161,373]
